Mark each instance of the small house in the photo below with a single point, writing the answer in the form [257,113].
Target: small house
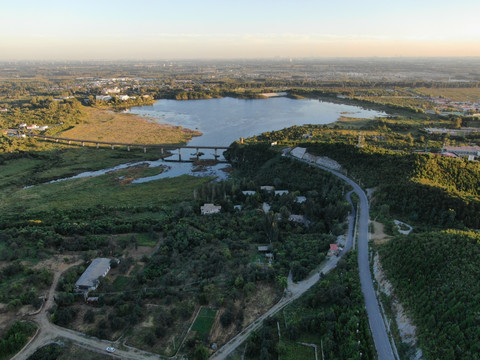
[300,199]
[281,192]
[249,192]
[208,209]
[334,250]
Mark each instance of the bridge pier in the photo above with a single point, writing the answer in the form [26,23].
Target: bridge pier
[83,143]
[69,142]
[144,149]
[216,155]
[197,153]
[113,147]
[179,154]
[97,145]
[128,148]
[56,140]
[161,149]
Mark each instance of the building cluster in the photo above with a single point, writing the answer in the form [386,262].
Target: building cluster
[447,107]
[469,152]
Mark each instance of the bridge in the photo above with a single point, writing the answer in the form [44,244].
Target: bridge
[162,147]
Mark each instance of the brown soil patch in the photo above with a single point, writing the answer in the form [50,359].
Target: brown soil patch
[262,300]
[56,263]
[109,126]
[378,236]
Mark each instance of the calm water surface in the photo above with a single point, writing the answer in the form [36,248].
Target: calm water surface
[222,121]
[225,120]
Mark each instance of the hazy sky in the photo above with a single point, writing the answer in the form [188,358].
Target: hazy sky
[148,29]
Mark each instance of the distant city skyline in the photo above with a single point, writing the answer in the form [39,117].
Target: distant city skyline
[214,29]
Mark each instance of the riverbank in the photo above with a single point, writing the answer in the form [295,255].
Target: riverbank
[107,125]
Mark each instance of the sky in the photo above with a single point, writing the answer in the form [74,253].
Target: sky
[214,29]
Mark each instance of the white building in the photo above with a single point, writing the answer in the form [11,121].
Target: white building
[89,280]
[209,209]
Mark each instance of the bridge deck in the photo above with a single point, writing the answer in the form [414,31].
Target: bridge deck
[164,146]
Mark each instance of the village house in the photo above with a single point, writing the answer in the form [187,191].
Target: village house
[208,209]
[471,152]
[103,97]
[334,250]
[89,280]
[249,192]
[281,192]
[300,219]
[300,199]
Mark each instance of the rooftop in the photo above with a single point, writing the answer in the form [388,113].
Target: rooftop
[89,279]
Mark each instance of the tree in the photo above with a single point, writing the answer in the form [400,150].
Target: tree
[201,353]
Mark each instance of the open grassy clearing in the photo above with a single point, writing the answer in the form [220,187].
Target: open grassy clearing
[454,94]
[294,351]
[204,321]
[104,125]
[103,190]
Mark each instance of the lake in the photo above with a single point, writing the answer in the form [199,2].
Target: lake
[222,121]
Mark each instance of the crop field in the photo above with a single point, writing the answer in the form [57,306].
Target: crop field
[204,321]
[454,94]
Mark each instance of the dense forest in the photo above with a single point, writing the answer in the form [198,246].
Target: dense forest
[435,274]
[330,315]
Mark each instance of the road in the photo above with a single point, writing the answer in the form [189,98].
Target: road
[49,333]
[377,325]
[293,292]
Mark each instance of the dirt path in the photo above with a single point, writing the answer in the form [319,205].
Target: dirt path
[48,332]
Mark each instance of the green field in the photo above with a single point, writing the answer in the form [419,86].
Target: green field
[103,190]
[294,351]
[204,321]
[121,283]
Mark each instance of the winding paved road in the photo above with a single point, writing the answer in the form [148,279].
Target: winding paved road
[377,325]
[49,332]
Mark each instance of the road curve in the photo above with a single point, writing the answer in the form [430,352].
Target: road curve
[377,325]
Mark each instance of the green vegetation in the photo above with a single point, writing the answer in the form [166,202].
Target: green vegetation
[213,261]
[67,352]
[20,284]
[435,275]
[15,338]
[331,315]
[203,323]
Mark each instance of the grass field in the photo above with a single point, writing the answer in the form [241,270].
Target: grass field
[106,125]
[454,94]
[121,283]
[294,351]
[204,321]
[103,190]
